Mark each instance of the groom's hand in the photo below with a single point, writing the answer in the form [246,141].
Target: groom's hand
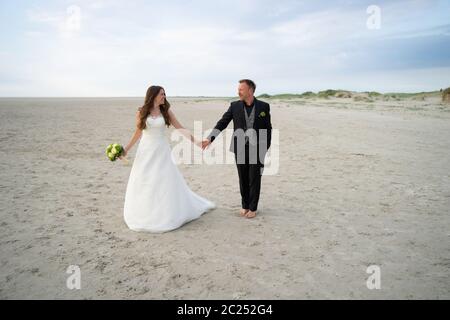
[205,143]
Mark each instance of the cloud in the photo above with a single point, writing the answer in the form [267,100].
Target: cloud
[66,22]
[203,47]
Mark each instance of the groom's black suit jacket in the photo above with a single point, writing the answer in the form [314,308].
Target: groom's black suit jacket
[236,113]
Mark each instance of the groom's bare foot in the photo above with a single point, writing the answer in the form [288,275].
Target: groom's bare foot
[251,214]
[243,212]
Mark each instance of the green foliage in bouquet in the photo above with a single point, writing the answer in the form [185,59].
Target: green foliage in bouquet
[113,151]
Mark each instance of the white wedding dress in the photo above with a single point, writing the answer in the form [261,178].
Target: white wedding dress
[157,198]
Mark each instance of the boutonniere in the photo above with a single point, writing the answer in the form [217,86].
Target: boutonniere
[262,114]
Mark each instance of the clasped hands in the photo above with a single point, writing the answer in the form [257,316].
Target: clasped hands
[205,144]
[202,144]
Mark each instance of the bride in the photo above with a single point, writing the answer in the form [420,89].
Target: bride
[157,197]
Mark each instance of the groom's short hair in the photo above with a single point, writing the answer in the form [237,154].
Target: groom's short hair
[250,83]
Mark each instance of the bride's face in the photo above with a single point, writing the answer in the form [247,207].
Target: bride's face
[161,97]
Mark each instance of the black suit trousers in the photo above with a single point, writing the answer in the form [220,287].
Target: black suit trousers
[249,180]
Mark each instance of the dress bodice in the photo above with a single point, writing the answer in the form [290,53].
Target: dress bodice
[154,126]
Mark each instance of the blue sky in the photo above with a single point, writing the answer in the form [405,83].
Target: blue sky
[119,48]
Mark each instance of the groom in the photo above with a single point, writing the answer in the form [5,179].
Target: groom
[250,142]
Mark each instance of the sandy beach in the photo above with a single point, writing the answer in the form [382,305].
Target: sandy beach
[359,183]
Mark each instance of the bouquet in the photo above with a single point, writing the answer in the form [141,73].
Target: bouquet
[114,151]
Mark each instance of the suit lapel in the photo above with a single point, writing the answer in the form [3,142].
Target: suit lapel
[241,113]
[256,106]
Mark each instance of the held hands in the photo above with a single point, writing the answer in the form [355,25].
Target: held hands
[205,144]
[197,142]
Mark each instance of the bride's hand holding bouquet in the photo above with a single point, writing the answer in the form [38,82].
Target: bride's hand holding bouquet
[116,151]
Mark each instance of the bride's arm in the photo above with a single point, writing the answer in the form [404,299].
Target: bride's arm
[177,125]
[137,134]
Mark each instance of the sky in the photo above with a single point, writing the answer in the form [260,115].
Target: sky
[116,48]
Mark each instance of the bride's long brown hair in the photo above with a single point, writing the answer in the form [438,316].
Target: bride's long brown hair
[144,111]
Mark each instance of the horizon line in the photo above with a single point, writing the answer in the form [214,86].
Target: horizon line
[90,97]
[208,96]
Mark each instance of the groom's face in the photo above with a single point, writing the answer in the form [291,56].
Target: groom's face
[244,91]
